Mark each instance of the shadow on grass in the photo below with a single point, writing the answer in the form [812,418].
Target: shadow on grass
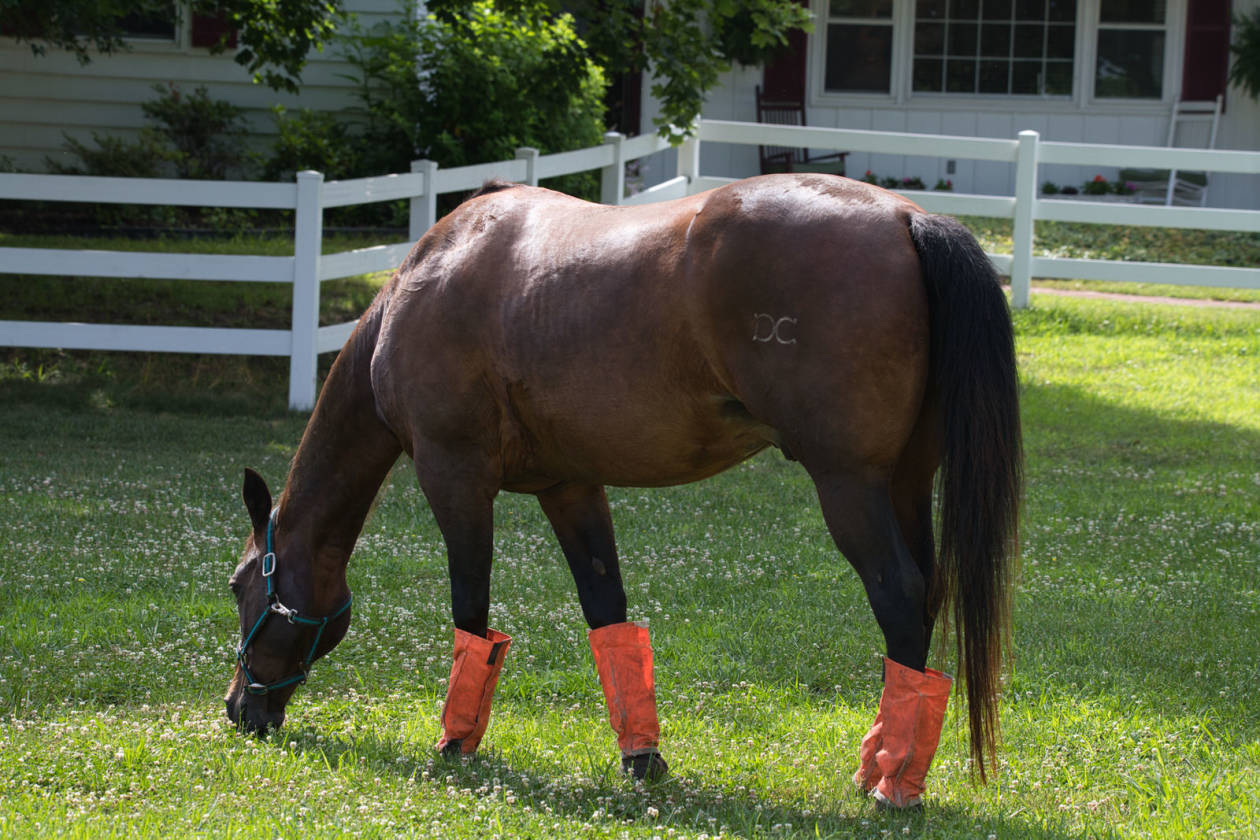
[596,792]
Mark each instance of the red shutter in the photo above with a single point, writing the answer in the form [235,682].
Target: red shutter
[207,30]
[784,77]
[1207,50]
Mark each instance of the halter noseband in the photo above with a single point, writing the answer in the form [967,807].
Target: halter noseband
[253,686]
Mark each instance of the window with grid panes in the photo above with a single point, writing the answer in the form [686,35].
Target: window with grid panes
[1131,38]
[994,46]
[859,46]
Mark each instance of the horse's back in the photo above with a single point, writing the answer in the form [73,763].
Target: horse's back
[656,344]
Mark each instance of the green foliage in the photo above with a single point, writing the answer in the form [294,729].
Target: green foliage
[473,85]
[196,136]
[187,136]
[1245,71]
[204,137]
[112,156]
[1098,185]
[274,37]
[312,140]
[681,74]
[688,44]
[753,32]
[685,45]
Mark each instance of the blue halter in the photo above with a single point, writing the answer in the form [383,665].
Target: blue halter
[253,686]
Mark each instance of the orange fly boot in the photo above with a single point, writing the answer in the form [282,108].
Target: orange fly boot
[474,674]
[911,713]
[867,775]
[623,658]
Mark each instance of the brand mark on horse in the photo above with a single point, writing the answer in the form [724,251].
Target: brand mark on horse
[773,328]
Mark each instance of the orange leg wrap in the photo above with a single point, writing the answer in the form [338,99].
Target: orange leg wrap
[867,775]
[899,749]
[474,675]
[623,658]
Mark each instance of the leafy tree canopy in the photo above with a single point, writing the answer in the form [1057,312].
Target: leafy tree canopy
[275,36]
[685,44]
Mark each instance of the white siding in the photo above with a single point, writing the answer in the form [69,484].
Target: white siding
[1126,123]
[45,97]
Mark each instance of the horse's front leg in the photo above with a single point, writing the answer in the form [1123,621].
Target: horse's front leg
[623,650]
[898,750]
[462,500]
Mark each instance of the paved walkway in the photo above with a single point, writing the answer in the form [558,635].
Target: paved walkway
[1219,304]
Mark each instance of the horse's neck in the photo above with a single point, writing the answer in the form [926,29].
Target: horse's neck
[345,454]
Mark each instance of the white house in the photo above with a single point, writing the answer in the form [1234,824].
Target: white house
[1095,71]
[43,98]
[1102,71]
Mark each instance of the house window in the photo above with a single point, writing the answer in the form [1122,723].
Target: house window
[994,46]
[859,46]
[153,25]
[1131,39]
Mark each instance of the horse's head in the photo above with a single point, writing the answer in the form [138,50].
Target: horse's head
[290,615]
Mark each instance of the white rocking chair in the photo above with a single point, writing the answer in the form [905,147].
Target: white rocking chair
[1169,187]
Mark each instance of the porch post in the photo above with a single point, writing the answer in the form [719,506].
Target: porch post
[1025,204]
[307,236]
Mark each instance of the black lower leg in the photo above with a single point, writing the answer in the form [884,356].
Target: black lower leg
[863,524]
[579,515]
[466,519]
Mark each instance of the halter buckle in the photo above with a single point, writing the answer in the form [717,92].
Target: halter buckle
[269,564]
[280,609]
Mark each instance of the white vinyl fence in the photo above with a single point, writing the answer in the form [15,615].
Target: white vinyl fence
[310,195]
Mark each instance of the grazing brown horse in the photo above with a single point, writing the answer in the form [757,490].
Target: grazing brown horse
[536,343]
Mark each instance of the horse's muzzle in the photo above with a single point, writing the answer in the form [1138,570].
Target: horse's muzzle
[251,713]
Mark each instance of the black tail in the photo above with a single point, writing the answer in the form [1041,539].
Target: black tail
[980,482]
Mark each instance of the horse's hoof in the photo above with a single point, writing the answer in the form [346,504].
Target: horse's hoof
[883,803]
[648,767]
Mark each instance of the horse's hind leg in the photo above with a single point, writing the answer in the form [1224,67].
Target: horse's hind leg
[864,524]
[463,506]
[623,650]
[868,528]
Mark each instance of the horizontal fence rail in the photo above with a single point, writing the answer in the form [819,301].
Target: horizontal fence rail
[310,195]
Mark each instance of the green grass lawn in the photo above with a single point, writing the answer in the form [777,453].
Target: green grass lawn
[1132,710]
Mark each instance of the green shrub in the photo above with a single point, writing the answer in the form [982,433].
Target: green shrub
[315,140]
[475,85]
[203,137]
[1245,71]
[188,136]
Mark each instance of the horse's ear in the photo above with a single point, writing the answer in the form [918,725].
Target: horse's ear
[257,500]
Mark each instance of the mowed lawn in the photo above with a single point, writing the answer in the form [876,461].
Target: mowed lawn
[1132,708]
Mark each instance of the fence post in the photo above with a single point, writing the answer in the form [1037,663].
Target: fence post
[530,156]
[1025,203]
[612,178]
[307,235]
[689,156]
[424,207]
